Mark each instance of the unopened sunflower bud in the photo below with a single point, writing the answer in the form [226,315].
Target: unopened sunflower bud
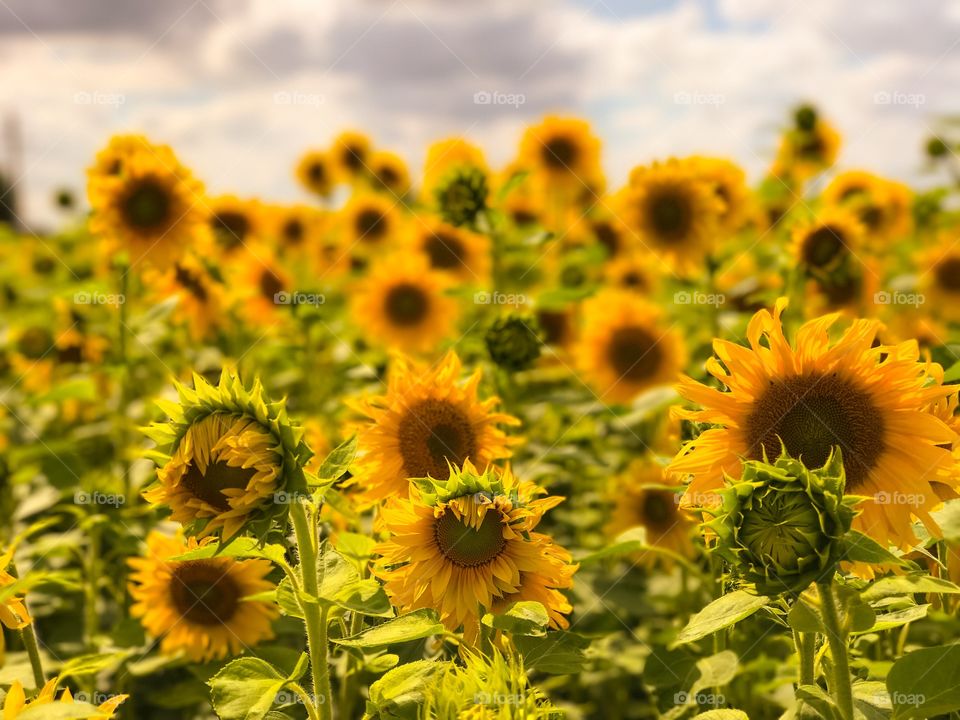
[513,342]
[462,195]
[805,118]
[781,524]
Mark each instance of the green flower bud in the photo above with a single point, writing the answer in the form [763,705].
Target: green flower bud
[937,148]
[513,342]
[462,195]
[805,118]
[781,525]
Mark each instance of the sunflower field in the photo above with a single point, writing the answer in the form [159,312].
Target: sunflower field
[473,442]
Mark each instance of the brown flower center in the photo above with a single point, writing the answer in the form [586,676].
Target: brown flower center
[608,237]
[203,594]
[813,413]
[371,225]
[560,153]
[634,354]
[948,274]
[406,305]
[431,433]
[445,251]
[469,546]
[823,246]
[658,510]
[190,282]
[146,205]
[670,213]
[270,284]
[231,228]
[293,231]
[209,486]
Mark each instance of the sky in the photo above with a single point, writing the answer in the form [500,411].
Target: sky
[240,88]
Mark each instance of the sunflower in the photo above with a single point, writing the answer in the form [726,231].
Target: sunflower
[315,174]
[370,221]
[444,156]
[633,272]
[563,150]
[350,156]
[110,161]
[297,227]
[623,350]
[467,544]
[806,151]
[234,223]
[262,285]
[826,241]
[463,254]
[940,278]
[152,207]
[730,184]
[851,288]
[403,304]
[557,326]
[389,173]
[199,606]
[674,212]
[883,206]
[427,419]
[199,295]
[15,703]
[869,400]
[223,454]
[13,610]
[641,497]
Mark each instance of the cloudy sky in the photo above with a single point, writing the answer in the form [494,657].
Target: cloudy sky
[241,87]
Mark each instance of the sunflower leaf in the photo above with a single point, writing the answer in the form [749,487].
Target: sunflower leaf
[245,689]
[521,618]
[926,682]
[413,626]
[862,548]
[337,462]
[721,613]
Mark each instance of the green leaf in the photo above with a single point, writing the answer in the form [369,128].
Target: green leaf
[90,664]
[907,585]
[819,701]
[60,711]
[341,585]
[716,671]
[721,613]
[926,682]
[338,461]
[241,547]
[897,618]
[400,692]
[521,618]
[287,599]
[858,547]
[722,715]
[413,626]
[557,653]
[356,547]
[245,689]
[804,618]
[64,578]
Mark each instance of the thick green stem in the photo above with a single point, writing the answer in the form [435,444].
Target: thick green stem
[840,685]
[28,636]
[806,647]
[315,619]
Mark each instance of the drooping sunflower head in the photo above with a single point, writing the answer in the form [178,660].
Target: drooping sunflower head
[808,148]
[823,243]
[389,173]
[234,223]
[427,420]
[623,349]
[642,497]
[459,252]
[445,155]
[782,524]
[563,150]
[817,394]
[350,156]
[15,704]
[402,304]
[222,456]
[152,207]
[315,173]
[199,605]
[513,341]
[674,211]
[466,542]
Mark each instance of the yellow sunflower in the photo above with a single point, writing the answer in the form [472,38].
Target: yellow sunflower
[642,497]
[15,703]
[200,296]
[623,349]
[224,467]
[563,150]
[825,242]
[463,254]
[350,156]
[852,288]
[370,221]
[883,206]
[234,223]
[153,207]
[939,281]
[467,545]
[806,152]
[199,606]
[557,325]
[445,155]
[315,174]
[388,172]
[110,161]
[13,610]
[869,400]
[730,184]
[633,272]
[427,419]
[403,304]
[262,286]
[674,212]
[297,228]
